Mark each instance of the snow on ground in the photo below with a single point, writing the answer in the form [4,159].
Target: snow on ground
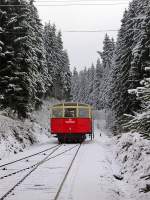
[133,152]
[92,175]
[16,135]
[107,168]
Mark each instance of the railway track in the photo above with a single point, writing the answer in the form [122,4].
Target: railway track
[23,158]
[34,167]
[66,174]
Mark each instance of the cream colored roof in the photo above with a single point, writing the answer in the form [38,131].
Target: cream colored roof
[71,104]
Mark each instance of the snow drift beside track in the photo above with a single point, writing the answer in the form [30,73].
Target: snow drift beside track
[16,135]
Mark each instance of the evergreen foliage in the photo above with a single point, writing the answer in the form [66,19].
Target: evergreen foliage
[25,74]
[128,68]
[91,85]
[107,63]
[121,83]
[57,63]
[140,121]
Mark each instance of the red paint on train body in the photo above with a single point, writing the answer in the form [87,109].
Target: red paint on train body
[71,121]
[71,125]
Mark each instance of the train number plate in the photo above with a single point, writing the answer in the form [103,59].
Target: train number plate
[70,121]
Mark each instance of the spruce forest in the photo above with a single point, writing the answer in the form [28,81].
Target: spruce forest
[120,81]
[33,62]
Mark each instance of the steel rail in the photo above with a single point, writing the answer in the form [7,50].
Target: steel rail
[66,174]
[30,167]
[35,167]
[22,179]
[12,162]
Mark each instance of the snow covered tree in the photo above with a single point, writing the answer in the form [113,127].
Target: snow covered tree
[43,78]
[83,85]
[127,71]
[82,95]
[140,121]
[107,60]
[97,83]
[15,81]
[108,51]
[90,84]
[57,63]
[49,43]
[66,77]
[75,85]
[28,68]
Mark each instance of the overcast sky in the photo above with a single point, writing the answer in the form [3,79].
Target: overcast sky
[82,46]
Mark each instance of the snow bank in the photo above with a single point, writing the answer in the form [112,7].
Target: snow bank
[134,155]
[16,135]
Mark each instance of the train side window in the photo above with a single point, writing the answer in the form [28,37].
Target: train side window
[57,112]
[83,112]
[70,112]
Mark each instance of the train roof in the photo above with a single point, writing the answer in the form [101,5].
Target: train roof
[74,104]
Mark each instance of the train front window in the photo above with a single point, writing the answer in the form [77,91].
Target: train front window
[57,112]
[70,112]
[83,113]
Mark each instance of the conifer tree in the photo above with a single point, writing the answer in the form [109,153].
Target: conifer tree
[15,81]
[66,76]
[57,63]
[97,84]
[127,71]
[140,120]
[107,60]
[75,85]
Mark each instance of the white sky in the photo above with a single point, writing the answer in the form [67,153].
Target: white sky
[82,46]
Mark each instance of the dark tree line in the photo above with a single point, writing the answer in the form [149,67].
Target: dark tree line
[131,61]
[33,63]
[122,83]
[92,85]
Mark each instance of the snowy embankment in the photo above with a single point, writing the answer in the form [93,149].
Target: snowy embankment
[16,135]
[133,153]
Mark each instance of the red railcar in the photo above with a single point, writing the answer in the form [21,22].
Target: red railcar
[71,121]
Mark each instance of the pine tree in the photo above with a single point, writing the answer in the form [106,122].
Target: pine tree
[107,60]
[82,95]
[66,76]
[57,63]
[90,85]
[23,71]
[141,121]
[15,82]
[43,78]
[97,84]
[127,71]
[75,85]
[50,42]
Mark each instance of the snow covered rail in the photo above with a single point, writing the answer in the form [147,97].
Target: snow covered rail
[66,174]
[21,180]
[35,166]
[35,154]
[30,167]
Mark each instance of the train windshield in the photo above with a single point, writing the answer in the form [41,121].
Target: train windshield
[57,112]
[70,112]
[83,112]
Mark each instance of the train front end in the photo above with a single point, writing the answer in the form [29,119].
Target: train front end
[71,122]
